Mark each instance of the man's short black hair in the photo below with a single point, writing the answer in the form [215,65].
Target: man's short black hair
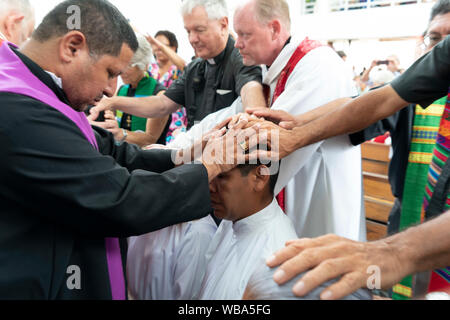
[104,27]
[173,42]
[246,168]
[440,7]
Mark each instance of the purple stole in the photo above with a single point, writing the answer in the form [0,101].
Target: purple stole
[15,77]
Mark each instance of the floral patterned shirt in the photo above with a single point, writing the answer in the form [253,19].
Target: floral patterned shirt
[179,118]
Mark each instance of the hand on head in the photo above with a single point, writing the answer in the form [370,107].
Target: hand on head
[279,117]
[222,149]
[329,257]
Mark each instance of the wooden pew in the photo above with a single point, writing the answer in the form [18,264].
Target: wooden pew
[378,198]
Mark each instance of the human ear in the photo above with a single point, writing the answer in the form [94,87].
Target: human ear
[275,26]
[12,26]
[224,25]
[72,45]
[261,176]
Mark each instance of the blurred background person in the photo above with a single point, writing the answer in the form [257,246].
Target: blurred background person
[168,67]
[379,77]
[16,20]
[380,70]
[342,55]
[137,83]
[394,65]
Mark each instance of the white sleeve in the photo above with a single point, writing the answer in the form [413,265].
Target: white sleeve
[185,139]
[318,78]
[190,260]
[261,286]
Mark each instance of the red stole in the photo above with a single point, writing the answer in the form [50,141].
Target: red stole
[305,46]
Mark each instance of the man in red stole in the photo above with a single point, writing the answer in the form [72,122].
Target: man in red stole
[69,194]
[417,249]
[323,181]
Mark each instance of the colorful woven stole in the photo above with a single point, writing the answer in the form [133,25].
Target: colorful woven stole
[423,141]
[440,279]
[305,46]
[15,77]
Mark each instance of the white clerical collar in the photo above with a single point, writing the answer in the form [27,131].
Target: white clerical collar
[211,61]
[257,220]
[56,79]
[3,37]
[280,62]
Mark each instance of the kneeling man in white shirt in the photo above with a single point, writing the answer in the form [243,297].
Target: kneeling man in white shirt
[253,227]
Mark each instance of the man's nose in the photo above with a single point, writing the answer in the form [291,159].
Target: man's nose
[111,88]
[238,43]
[193,37]
[213,187]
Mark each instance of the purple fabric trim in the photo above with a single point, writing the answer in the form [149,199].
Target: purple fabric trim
[115,268]
[16,78]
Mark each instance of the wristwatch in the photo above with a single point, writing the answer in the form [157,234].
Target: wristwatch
[125,135]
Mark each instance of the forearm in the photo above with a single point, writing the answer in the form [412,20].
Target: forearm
[146,107]
[155,128]
[174,57]
[351,117]
[252,95]
[316,113]
[426,246]
[140,138]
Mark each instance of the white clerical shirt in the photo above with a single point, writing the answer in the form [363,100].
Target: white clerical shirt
[238,247]
[169,264]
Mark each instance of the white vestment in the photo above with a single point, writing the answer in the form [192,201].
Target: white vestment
[169,264]
[323,181]
[238,248]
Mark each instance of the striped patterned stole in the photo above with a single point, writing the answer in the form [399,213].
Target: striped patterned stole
[428,153]
[437,197]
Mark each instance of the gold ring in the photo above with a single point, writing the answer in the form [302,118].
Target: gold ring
[244,146]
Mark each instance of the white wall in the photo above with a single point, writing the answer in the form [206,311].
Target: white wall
[153,15]
[365,25]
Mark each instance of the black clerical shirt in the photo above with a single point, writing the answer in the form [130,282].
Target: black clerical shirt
[60,198]
[207,87]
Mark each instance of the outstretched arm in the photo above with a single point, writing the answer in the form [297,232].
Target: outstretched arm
[146,107]
[353,116]
[252,95]
[288,121]
[421,248]
[173,56]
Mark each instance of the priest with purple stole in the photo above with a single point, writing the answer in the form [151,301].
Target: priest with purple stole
[70,195]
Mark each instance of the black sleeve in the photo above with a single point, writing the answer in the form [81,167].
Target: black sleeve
[159,87]
[242,73]
[176,92]
[52,172]
[428,78]
[131,156]
[377,129]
